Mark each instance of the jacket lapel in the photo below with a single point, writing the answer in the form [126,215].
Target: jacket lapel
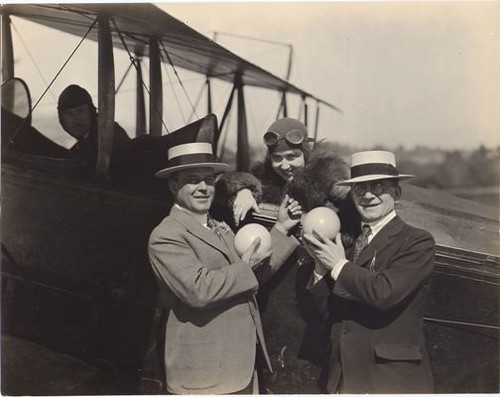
[197,229]
[228,238]
[380,241]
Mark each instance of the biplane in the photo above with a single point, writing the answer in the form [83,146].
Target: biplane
[79,303]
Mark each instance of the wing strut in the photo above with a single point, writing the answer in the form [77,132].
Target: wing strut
[224,117]
[140,117]
[106,102]
[156,87]
[7,49]
[209,96]
[316,125]
[242,155]
[283,107]
[7,60]
[305,111]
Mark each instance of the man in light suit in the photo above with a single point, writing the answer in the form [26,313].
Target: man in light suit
[213,327]
[375,299]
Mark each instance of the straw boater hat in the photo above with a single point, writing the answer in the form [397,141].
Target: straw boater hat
[373,165]
[191,147]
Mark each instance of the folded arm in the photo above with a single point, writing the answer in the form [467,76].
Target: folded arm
[195,284]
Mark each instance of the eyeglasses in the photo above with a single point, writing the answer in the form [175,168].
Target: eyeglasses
[294,137]
[377,188]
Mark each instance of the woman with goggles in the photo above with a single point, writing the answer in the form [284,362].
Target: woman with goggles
[239,193]
[288,152]
[291,166]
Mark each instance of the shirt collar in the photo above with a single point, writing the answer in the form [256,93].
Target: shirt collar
[202,218]
[378,225]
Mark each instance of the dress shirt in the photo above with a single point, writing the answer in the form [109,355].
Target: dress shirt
[377,226]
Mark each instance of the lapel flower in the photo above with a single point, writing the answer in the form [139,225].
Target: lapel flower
[224,227]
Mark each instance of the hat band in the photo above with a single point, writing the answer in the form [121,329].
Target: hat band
[191,159]
[373,169]
[189,148]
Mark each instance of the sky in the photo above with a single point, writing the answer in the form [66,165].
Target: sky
[407,74]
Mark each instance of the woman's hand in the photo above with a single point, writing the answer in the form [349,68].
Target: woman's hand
[244,202]
[289,214]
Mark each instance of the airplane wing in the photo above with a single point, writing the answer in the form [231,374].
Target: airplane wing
[187,48]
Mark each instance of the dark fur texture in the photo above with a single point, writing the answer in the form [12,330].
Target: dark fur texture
[226,188]
[312,186]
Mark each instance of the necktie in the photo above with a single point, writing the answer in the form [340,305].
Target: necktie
[362,241]
[213,227]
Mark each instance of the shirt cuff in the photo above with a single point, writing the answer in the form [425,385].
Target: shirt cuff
[338,268]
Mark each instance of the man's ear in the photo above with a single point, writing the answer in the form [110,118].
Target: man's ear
[173,185]
[397,193]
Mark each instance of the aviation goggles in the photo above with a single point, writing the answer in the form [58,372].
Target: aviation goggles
[293,137]
[376,187]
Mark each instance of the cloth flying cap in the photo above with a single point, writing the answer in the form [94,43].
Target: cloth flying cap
[73,96]
[281,127]
[373,165]
[192,147]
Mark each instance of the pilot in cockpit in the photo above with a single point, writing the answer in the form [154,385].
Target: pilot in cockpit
[78,117]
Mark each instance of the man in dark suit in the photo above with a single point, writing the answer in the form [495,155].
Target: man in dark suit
[213,327]
[375,298]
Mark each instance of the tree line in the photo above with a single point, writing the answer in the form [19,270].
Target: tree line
[456,169]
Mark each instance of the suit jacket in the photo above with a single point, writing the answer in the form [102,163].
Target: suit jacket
[376,310]
[213,325]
